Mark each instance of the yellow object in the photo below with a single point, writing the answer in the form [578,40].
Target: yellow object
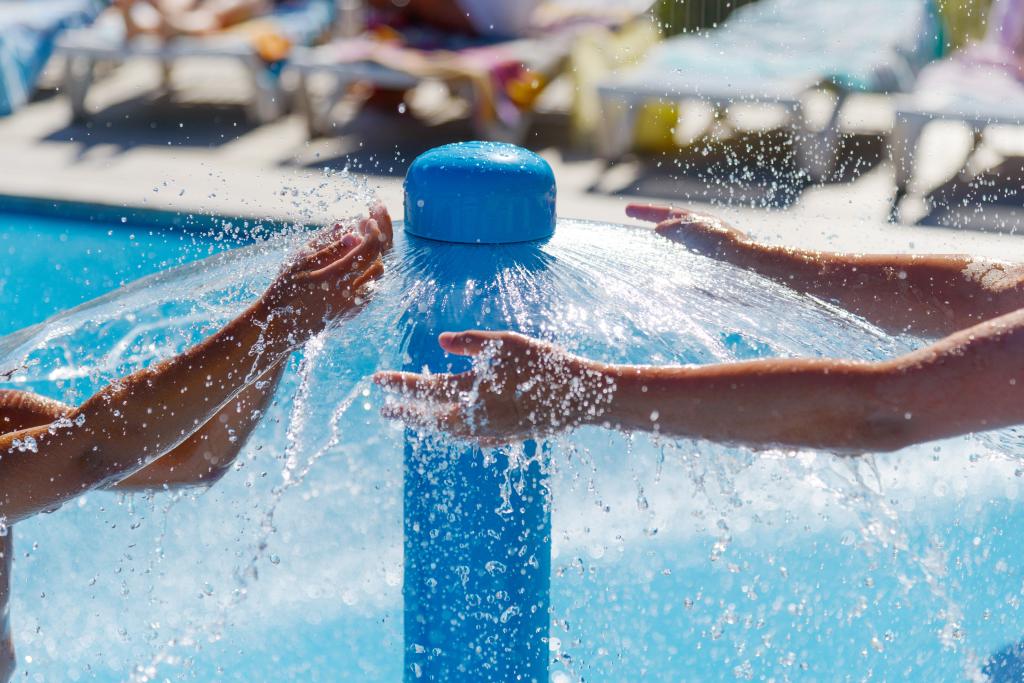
[596,54]
[965,20]
[656,127]
[526,88]
[269,44]
[385,33]
[271,47]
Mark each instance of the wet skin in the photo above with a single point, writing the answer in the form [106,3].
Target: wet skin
[138,434]
[531,388]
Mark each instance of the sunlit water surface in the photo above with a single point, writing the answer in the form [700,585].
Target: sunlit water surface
[672,560]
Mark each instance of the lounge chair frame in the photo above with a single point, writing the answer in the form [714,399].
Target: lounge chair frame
[549,59]
[816,150]
[891,67]
[999,101]
[310,64]
[910,124]
[83,49]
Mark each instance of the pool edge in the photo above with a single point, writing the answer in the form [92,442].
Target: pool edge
[135,216]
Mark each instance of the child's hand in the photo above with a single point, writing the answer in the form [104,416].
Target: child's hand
[701,233]
[521,388]
[325,281]
[379,213]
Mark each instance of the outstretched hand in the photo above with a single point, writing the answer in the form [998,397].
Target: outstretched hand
[519,388]
[327,279]
[699,232]
[379,213]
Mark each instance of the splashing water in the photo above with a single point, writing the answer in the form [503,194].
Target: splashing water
[669,556]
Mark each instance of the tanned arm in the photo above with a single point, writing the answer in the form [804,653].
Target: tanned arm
[207,455]
[200,461]
[931,295]
[970,381]
[131,423]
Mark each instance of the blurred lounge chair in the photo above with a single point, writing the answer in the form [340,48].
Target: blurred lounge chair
[981,86]
[500,79]
[772,52]
[28,31]
[296,22]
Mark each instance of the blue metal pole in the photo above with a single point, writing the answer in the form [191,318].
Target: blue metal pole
[477,582]
[477,564]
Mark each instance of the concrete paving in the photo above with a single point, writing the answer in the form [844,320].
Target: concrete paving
[195,152]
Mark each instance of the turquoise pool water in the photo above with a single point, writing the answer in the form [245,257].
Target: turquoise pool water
[671,561]
[50,264]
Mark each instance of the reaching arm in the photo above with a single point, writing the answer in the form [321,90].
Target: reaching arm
[928,295]
[529,388]
[200,461]
[134,421]
[968,382]
[207,455]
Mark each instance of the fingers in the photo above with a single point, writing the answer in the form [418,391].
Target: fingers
[708,227]
[366,226]
[448,418]
[339,248]
[332,251]
[469,343]
[451,419]
[425,387]
[379,213]
[366,251]
[671,221]
[372,273]
[431,401]
[474,342]
[653,213]
[355,296]
[676,229]
[328,236]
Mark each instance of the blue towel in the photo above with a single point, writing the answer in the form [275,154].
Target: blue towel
[303,21]
[28,29]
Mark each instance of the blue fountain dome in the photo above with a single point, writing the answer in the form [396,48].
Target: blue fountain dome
[480,193]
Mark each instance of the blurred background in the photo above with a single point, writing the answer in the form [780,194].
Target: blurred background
[848,124]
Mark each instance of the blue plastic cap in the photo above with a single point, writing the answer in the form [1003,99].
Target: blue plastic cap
[480,193]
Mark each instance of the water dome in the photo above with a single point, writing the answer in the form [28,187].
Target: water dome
[347,547]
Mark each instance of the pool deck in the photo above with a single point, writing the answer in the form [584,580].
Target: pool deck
[197,154]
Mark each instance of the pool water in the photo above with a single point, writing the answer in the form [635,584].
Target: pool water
[52,264]
[671,561]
